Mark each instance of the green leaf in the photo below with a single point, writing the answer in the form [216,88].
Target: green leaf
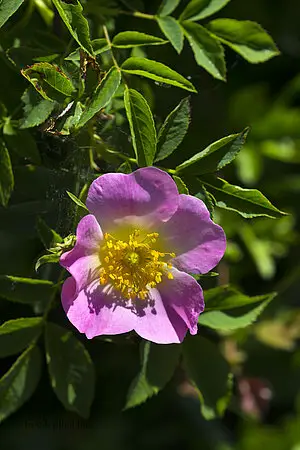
[99,46]
[77,201]
[46,12]
[6,175]
[36,109]
[156,71]
[208,199]
[227,297]
[216,156]
[209,54]
[247,38]
[209,371]
[218,320]
[167,7]
[125,167]
[20,382]
[71,14]
[48,236]
[172,30]
[25,290]
[15,335]
[73,120]
[21,142]
[71,370]
[284,150]
[246,202]
[102,95]
[49,80]
[205,275]
[142,127]
[52,258]
[260,249]
[199,9]
[158,365]
[8,8]
[129,39]
[173,129]
[249,164]
[181,186]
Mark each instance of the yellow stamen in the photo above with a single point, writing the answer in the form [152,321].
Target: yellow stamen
[133,266]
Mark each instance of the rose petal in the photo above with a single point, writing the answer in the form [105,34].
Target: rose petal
[184,296]
[159,324]
[83,261]
[96,309]
[68,293]
[197,241]
[147,196]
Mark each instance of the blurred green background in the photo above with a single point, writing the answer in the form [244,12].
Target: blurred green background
[262,254]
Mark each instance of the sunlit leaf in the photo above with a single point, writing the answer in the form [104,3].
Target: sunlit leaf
[199,9]
[261,251]
[249,164]
[36,109]
[71,14]
[48,80]
[208,52]
[102,96]
[142,127]
[216,156]
[181,186]
[45,11]
[156,71]
[8,8]
[247,38]
[172,30]
[227,297]
[247,202]
[52,258]
[77,200]
[173,130]
[129,39]
[221,321]
[167,7]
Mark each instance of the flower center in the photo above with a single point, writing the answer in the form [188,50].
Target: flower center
[133,266]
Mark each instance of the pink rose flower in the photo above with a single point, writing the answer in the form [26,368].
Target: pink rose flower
[130,262]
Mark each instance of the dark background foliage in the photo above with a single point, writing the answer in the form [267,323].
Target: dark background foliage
[262,254]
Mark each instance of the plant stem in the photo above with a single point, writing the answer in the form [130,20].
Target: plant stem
[110,47]
[138,14]
[170,171]
[143,15]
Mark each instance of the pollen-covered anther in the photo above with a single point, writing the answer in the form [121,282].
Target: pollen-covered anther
[133,266]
